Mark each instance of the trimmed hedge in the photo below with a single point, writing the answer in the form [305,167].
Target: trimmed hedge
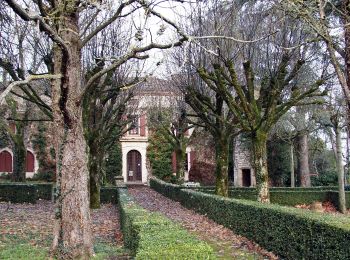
[167,189]
[44,191]
[18,193]
[152,236]
[108,195]
[30,193]
[289,232]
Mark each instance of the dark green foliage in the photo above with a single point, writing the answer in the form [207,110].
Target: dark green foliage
[167,189]
[44,176]
[159,153]
[18,193]
[291,233]
[4,140]
[108,195]
[324,164]
[113,163]
[278,161]
[44,191]
[152,236]
[47,166]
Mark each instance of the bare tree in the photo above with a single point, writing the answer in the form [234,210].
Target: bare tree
[59,21]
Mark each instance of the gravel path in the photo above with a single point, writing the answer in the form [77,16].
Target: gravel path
[225,242]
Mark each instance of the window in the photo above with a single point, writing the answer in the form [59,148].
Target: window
[134,130]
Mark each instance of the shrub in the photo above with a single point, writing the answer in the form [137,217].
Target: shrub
[152,236]
[289,232]
[108,195]
[167,189]
[44,191]
[18,193]
[159,153]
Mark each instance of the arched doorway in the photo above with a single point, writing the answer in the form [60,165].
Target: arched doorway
[134,169]
[5,161]
[30,162]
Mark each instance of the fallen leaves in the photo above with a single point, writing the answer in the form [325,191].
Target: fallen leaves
[227,244]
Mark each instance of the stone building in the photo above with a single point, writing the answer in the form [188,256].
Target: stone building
[243,172]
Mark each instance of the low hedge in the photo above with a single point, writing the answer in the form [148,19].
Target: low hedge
[167,189]
[152,236]
[108,195]
[44,191]
[18,193]
[289,232]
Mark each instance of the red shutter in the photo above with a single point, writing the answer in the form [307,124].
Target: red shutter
[173,161]
[143,125]
[5,162]
[29,162]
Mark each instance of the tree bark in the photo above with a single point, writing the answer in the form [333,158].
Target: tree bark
[19,159]
[72,233]
[180,169]
[346,10]
[292,173]
[303,160]
[340,170]
[221,170]
[259,142]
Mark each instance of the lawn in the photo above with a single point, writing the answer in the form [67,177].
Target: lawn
[26,231]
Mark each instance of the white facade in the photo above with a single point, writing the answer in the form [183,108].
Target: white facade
[138,144]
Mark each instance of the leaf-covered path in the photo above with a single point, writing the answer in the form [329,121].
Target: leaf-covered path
[223,240]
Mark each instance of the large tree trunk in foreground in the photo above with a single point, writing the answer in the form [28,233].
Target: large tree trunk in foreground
[340,170]
[221,171]
[303,161]
[259,141]
[72,233]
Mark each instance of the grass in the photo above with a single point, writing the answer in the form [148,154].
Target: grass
[19,249]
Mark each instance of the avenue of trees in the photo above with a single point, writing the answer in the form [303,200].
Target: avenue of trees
[243,67]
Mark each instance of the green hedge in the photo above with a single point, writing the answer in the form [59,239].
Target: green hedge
[291,233]
[167,189]
[44,190]
[152,236]
[108,195]
[18,193]
[24,192]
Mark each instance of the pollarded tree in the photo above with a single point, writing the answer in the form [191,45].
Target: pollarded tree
[258,106]
[60,21]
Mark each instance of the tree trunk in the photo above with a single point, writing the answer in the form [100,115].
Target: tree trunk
[303,161]
[180,169]
[259,141]
[19,159]
[346,10]
[72,233]
[292,174]
[340,170]
[95,173]
[221,170]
